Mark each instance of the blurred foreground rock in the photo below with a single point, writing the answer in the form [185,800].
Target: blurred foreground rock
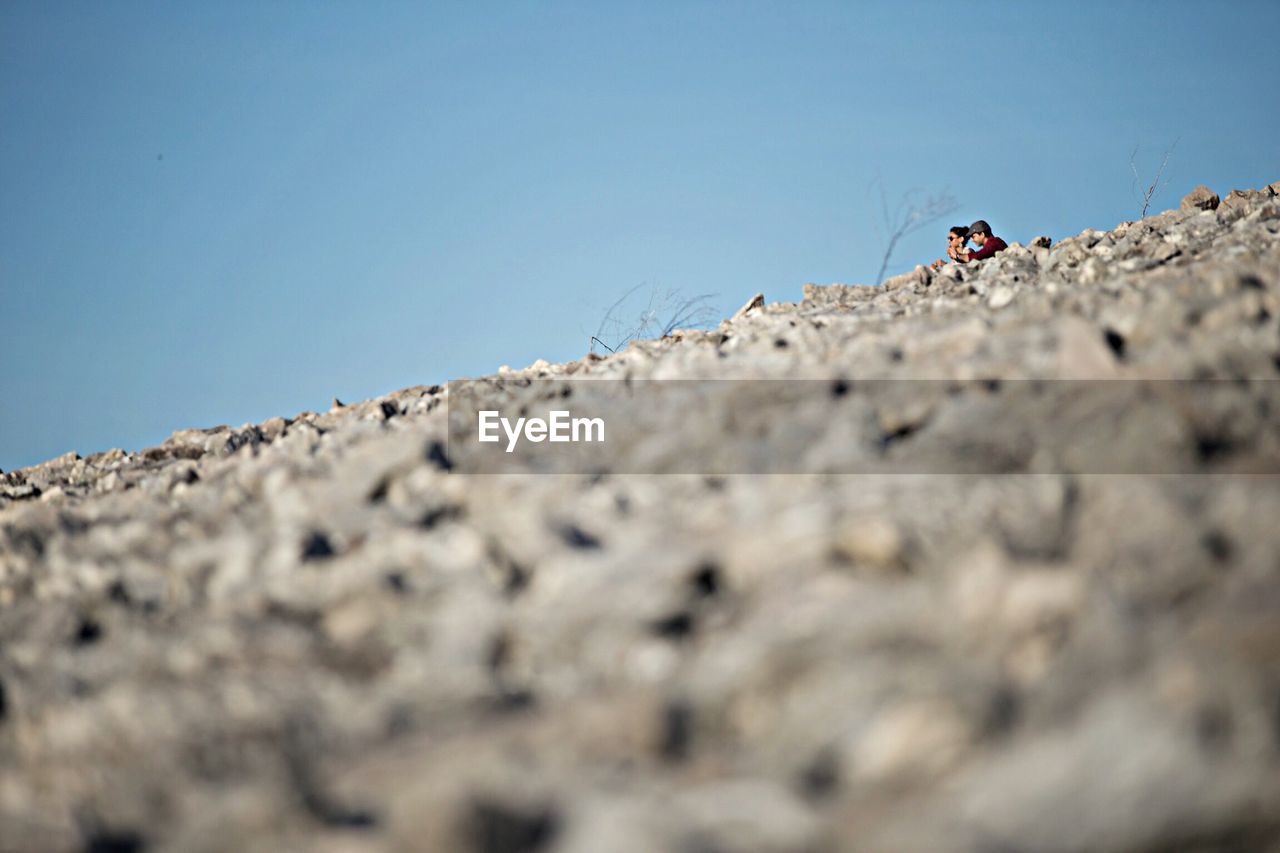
[313,634]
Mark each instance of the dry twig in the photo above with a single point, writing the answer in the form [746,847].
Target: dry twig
[911,214]
[1155,184]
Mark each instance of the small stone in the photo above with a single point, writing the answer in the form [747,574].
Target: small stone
[350,623]
[53,493]
[916,738]
[1083,352]
[898,418]
[1201,198]
[25,491]
[1090,237]
[906,279]
[1241,199]
[112,457]
[752,304]
[1161,250]
[748,814]
[1041,598]
[273,428]
[1000,297]
[1092,271]
[317,547]
[875,542]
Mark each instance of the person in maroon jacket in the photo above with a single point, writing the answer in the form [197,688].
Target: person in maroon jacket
[988,244]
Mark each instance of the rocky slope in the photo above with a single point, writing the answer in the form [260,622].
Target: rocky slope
[311,634]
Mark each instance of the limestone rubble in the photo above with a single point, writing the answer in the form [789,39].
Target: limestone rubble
[311,634]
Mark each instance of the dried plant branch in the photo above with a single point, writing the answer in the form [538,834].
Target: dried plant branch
[1150,190]
[690,313]
[912,212]
[679,312]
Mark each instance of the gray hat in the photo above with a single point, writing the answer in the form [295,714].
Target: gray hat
[980,227]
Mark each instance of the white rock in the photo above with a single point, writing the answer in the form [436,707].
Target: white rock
[1001,296]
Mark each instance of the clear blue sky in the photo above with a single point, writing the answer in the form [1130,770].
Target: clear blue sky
[220,212]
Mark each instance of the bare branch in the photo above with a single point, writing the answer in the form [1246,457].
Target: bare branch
[610,324]
[690,313]
[680,312]
[909,216]
[1156,184]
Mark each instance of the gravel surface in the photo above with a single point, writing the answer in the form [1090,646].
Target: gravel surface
[316,633]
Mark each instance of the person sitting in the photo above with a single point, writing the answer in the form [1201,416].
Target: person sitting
[988,244]
[956,238]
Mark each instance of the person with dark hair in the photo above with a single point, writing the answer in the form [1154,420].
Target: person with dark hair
[988,244]
[956,237]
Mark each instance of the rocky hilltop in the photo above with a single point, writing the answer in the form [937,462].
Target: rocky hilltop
[315,633]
